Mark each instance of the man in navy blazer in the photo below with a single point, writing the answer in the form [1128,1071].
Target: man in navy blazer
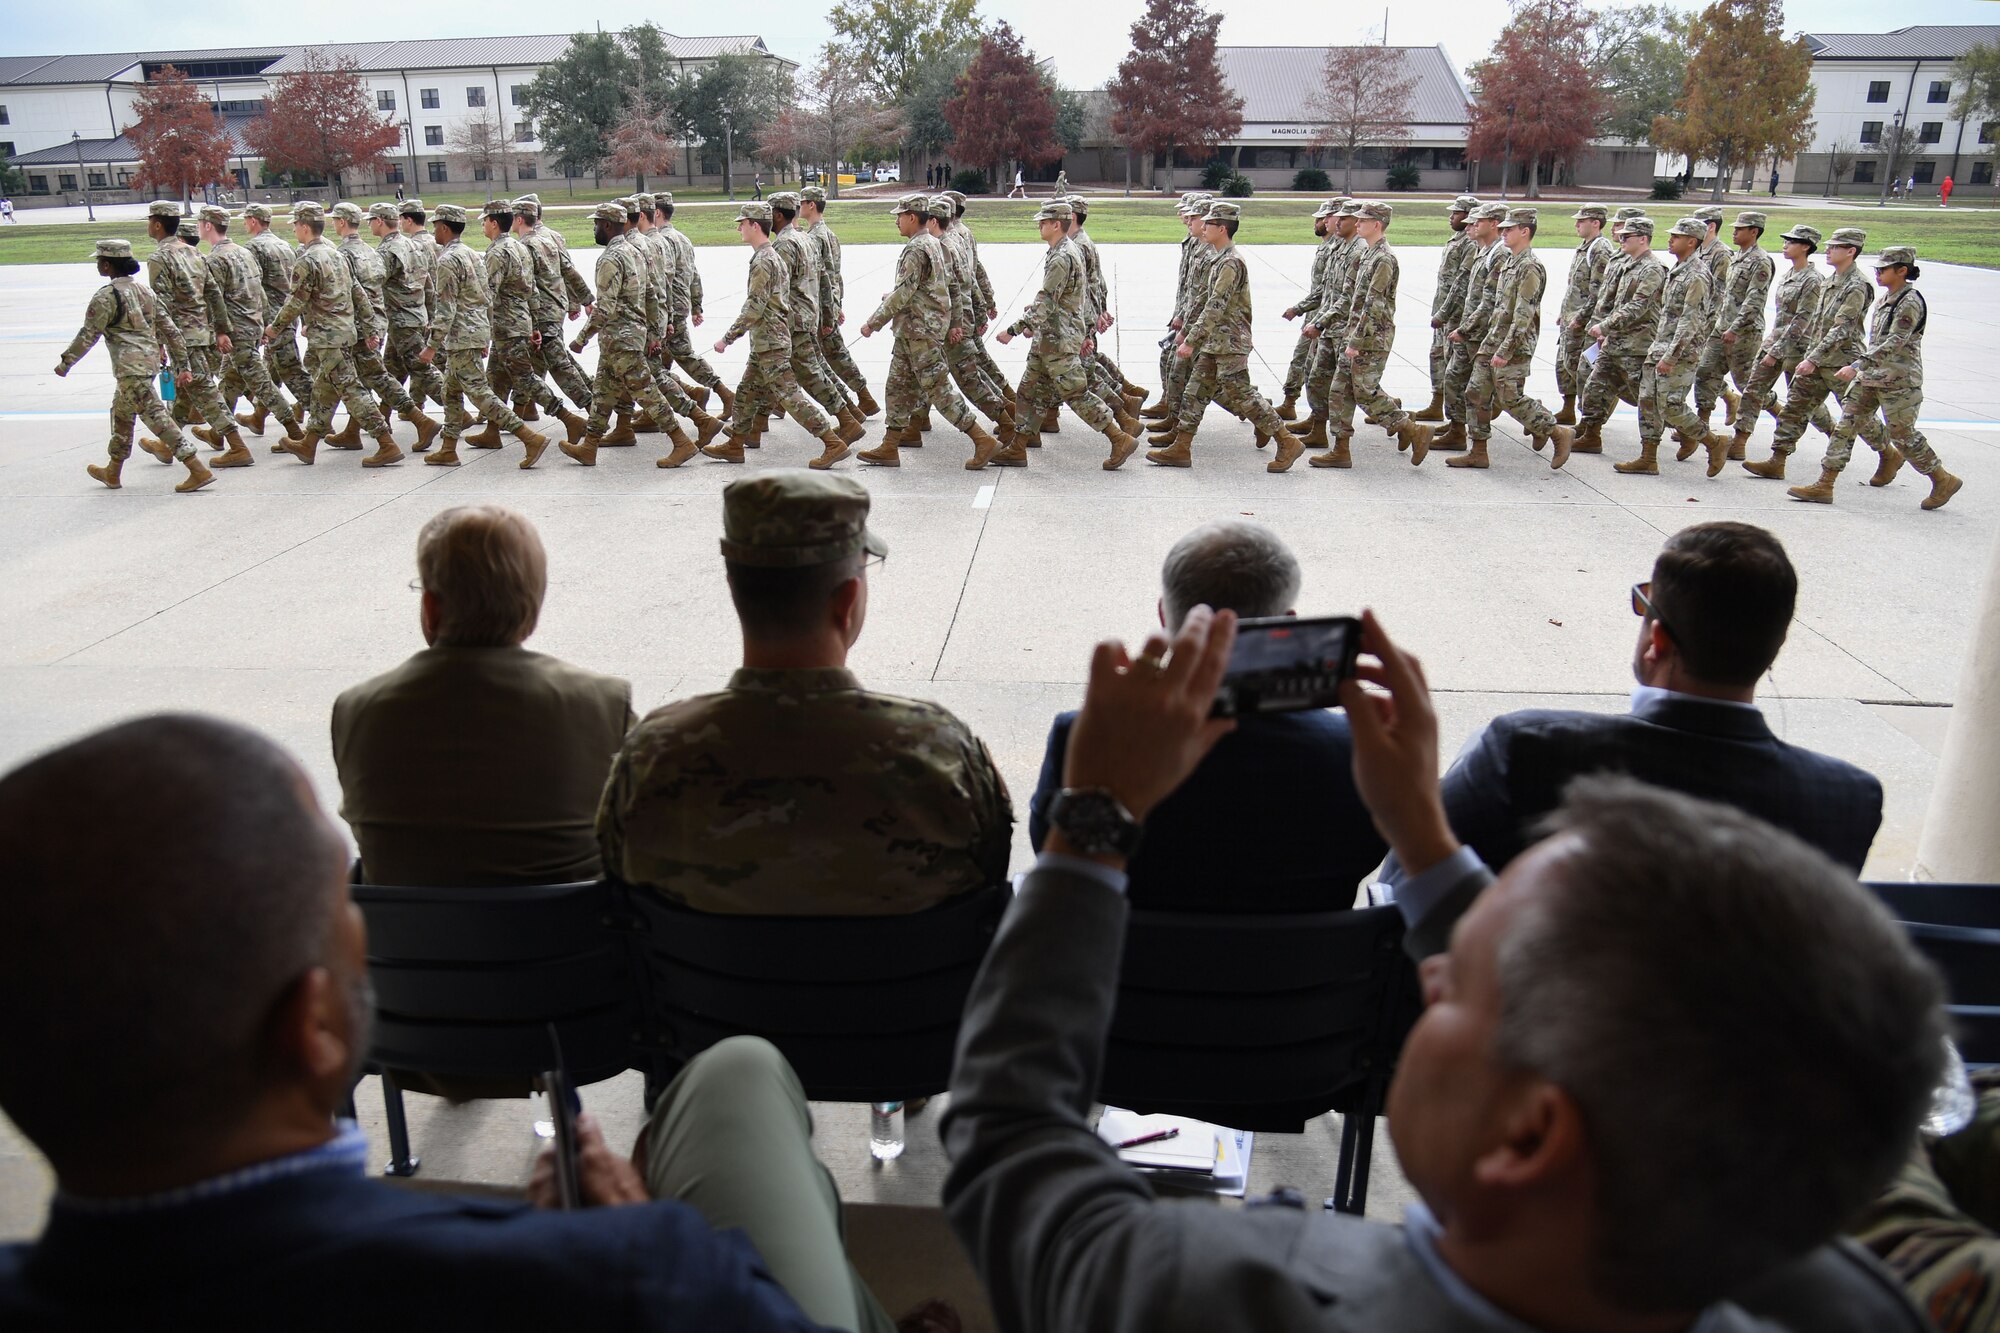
[1270,822]
[192,1004]
[1712,620]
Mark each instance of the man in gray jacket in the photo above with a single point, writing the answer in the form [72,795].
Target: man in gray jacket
[1664,1058]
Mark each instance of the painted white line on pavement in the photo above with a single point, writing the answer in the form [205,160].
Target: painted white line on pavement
[50,416]
[983,500]
[1631,414]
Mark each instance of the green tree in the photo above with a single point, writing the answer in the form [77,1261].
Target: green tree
[925,130]
[730,102]
[1748,95]
[897,38]
[1072,116]
[1638,61]
[579,98]
[1979,70]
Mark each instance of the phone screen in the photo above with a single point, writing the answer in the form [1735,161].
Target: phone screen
[564,1107]
[1283,664]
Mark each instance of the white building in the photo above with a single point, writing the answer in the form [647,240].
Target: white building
[62,118]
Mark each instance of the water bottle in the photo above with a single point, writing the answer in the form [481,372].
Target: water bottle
[885,1130]
[166,385]
[1954,1104]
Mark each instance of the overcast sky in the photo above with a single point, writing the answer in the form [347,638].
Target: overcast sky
[1085,39]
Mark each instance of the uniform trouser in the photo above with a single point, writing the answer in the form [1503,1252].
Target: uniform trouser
[465,377]
[1358,383]
[810,370]
[1491,392]
[833,350]
[245,376]
[1571,373]
[1052,378]
[1898,407]
[369,366]
[670,388]
[281,355]
[514,376]
[402,355]
[624,375]
[137,396]
[732,1138]
[680,346]
[768,381]
[961,360]
[1457,374]
[1721,362]
[1320,370]
[1805,401]
[200,392]
[1763,379]
[335,381]
[1225,379]
[993,371]
[1616,375]
[1174,386]
[1440,359]
[920,377]
[1295,373]
[1663,401]
[554,363]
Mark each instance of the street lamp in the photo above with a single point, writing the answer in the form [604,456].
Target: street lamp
[729,158]
[1895,142]
[76,142]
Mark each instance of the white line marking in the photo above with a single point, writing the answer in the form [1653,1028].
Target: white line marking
[50,416]
[983,500]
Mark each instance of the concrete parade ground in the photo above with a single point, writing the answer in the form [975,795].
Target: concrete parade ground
[263,596]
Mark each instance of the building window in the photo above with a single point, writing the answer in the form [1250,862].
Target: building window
[6,148]
[434,136]
[1982,173]
[518,94]
[66,181]
[524,132]
[1930,131]
[1924,172]
[524,170]
[38,185]
[394,175]
[1871,131]
[1447,159]
[1940,91]
[1864,173]
[1878,91]
[1988,130]
[475,97]
[3,116]
[98,180]
[429,97]
[124,180]
[482,174]
[385,99]
[437,173]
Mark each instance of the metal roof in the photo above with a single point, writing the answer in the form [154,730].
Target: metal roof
[1918,42]
[122,149]
[1277,83]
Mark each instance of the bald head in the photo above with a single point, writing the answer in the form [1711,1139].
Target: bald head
[484,574]
[1230,565]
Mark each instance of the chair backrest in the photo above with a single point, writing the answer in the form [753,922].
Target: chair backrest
[1259,1022]
[865,1008]
[1976,905]
[467,980]
[1957,927]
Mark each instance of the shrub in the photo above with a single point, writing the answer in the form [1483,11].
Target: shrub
[1216,175]
[1238,187]
[1405,176]
[968,181]
[1311,181]
[1666,187]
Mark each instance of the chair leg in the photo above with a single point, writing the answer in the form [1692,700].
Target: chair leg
[401,1162]
[1357,1149]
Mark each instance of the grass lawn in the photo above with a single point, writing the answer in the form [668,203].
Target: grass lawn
[1959,236]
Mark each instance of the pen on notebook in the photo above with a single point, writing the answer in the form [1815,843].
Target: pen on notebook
[1156,1137]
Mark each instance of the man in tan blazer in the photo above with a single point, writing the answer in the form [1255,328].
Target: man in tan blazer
[478,762]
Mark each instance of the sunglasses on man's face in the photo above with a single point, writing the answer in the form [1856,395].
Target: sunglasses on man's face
[1642,604]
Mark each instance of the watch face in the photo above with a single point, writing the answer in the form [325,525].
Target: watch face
[1095,821]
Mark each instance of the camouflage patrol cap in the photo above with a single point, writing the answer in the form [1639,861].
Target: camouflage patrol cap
[1801,232]
[163,208]
[812,194]
[956,196]
[1641,226]
[1349,208]
[939,207]
[308,211]
[754,211]
[189,230]
[1193,204]
[410,208]
[792,519]
[784,200]
[530,198]
[213,214]
[1709,213]
[1376,210]
[1853,236]
[1591,213]
[1326,209]
[112,248]
[497,208]
[661,199]
[1689,226]
[262,212]
[911,203]
[631,207]
[1522,217]
[1751,218]
[1628,212]
[1055,210]
[382,212]
[1496,212]
[1465,203]
[347,211]
[451,213]
[528,206]
[609,211]
[1218,211]
[644,201]
[1896,254]
[1077,204]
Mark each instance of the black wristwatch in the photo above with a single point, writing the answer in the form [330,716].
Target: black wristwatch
[1095,822]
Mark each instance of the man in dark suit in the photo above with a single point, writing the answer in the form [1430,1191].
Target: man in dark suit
[1643,1095]
[1712,620]
[1270,822]
[477,762]
[199,1002]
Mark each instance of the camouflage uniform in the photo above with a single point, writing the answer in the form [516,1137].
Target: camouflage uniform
[233,272]
[1331,315]
[1194,297]
[275,262]
[1837,338]
[1686,321]
[406,288]
[919,309]
[1741,312]
[988,307]
[768,378]
[1630,309]
[1586,278]
[510,291]
[1604,302]
[833,302]
[1370,328]
[1513,332]
[374,322]
[559,289]
[662,263]
[461,329]
[625,312]
[961,358]
[1448,301]
[179,278]
[801,256]
[797,792]
[133,323]
[325,294]
[1104,371]
[1323,256]
[1190,205]
[1055,373]
[1785,346]
[1891,378]
[1220,341]
[1482,284]
[687,297]
[1712,361]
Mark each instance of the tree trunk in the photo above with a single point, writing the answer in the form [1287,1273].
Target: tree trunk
[1170,171]
[1534,180]
[1347,172]
[1721,177]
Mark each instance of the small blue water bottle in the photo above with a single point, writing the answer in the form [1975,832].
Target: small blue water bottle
[166,384]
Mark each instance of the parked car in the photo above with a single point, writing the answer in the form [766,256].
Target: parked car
[863,176]
[810,175]
[890,173]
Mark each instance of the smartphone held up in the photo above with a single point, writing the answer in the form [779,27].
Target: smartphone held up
[1285,664]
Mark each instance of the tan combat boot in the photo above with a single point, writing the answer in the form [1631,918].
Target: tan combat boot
[1163,434]
[1290,447]
[1739,444]
[1731,402]
[728,397]
[1412,435]
[574,425]
[293,429]
[536,443]
[1564,438]
[922,421]
[158,449]
[1016,454]
[304,450]
[1718,452]
[1647,464]
[836,449]
[984,446]
[1689,444]
[1127,422]
[1340,455]
[486,437]
[1452,438]
[347,437]
[108,472]
[1888,466]
[706,427]
[1158,411]
[427,429]
[1476,457]
[685,447]
[1943,486]
[698,392]
[1821,491]
[1567,417]
[1314,434]
[386,452]
[198,476]
[253,420]
[584,452]
[1289,409]
[884,454]
[622,433]
[1589,439]
[849,425]
[643,423]
[1123,445]
[207,436]
[1435,410]
[529,412]
[728,450]
[445,457]
[869,407]
[237,455]
[1771,469]
[1178,454]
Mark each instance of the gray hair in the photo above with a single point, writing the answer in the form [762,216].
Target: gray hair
[1749,1036]
[486,567]
[1232,565]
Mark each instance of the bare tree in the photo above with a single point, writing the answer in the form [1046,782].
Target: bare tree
[1363,101]
[837,115]
[644,142]
[480,148]
[1839,161]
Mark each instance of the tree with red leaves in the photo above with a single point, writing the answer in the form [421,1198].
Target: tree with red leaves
[1004,111]
[320,120]
[1170,94]
[179,135]
[1538,101]
[645,141]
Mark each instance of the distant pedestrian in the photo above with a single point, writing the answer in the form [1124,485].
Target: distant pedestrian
[7,205]
[1020,190]
[1944,198]
[1774,182]
[1910,188]
[758,185]
[399,194]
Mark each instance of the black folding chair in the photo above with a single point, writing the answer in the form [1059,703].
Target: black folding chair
[1974,905]
[468,981]
[1957,926]
[865,1008]
[1264,1022]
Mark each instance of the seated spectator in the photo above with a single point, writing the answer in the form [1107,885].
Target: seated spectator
[795,792]
[1270,822]
[1666,1055]
[1712,620]
[477,762]
[193,1004]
